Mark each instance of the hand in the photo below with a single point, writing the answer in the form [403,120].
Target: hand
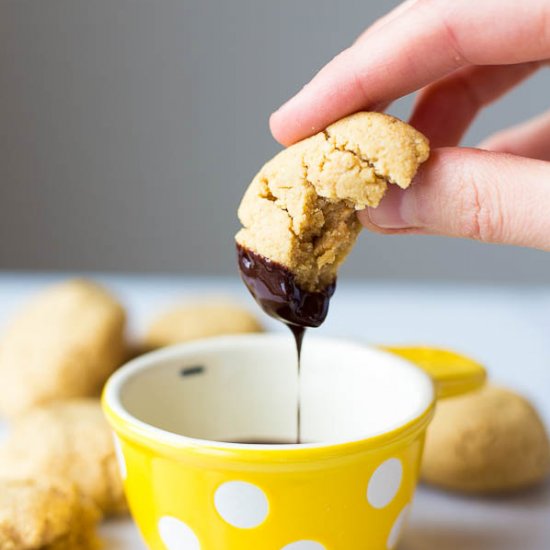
[462,55]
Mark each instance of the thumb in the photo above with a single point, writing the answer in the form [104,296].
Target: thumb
[487,196]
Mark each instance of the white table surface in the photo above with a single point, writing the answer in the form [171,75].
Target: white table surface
[506,328]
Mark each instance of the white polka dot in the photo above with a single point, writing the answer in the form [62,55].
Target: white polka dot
[397,528]
[120,457]
[241,504]
[176,535]
[304,545]
[384,483]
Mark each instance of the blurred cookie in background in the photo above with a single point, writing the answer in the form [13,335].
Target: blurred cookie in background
[489,441]
[199,319]
[46,515]
[70,440]
[64,343]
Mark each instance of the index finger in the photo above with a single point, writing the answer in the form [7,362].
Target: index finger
[422,44]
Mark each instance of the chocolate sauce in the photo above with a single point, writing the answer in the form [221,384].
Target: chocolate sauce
[275,289]
[298,333]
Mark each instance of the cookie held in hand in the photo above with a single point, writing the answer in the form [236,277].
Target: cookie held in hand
[489,441]
[64,343]
[299,212]
[70,440]
[45,515]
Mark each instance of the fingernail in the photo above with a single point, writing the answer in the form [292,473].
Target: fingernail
[395,211]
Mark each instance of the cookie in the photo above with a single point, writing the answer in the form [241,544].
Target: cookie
[64,343]
[299,210]
[192,321]
[70,440]
[36,515]
[489,441]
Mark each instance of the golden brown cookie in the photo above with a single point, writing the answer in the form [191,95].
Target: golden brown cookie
[489,441]
[37,515]
[69,440]
[192,321]
[64,343]
[299,210]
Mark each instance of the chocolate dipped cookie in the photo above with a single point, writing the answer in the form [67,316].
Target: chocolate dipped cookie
[298,214]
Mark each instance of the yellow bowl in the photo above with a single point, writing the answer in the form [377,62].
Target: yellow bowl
[184,417]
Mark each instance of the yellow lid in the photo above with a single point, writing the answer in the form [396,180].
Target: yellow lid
[452,373]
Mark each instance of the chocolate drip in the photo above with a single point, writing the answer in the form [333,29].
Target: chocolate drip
[275,289]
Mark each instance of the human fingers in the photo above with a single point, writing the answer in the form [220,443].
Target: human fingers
[530,139]
[388,18]
[445,109]
[468,193]
[422,44]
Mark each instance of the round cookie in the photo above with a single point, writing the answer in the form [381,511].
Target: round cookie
[37,515]
[199,320]
[64,343]
[70,440]
[299,210]
[489,441]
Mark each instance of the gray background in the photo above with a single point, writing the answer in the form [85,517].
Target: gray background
[130,128]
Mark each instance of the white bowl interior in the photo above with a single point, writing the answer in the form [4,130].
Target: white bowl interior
[247,389]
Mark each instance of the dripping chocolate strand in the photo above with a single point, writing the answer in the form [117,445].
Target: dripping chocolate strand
[298,333]
[275,289]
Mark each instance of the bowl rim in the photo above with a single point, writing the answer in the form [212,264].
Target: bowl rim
[165,442]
